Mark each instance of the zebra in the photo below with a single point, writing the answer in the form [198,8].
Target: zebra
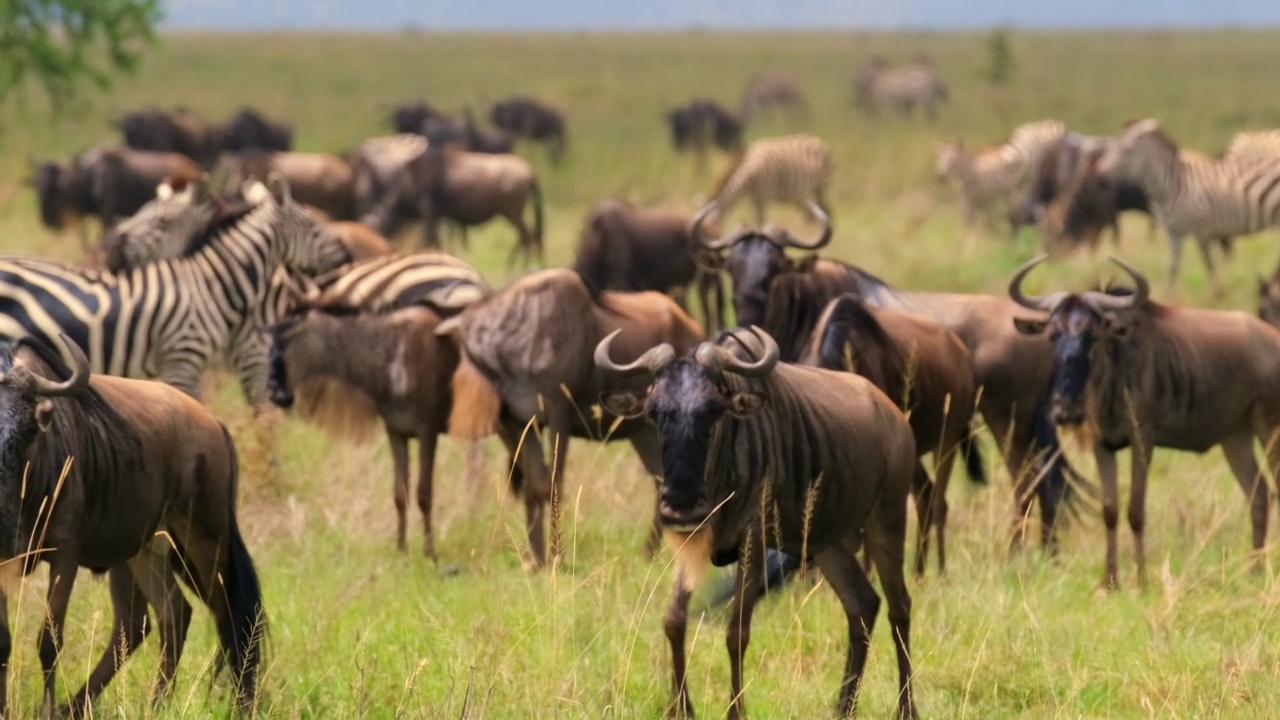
[436,280]
[789,169]
[999,174]
[168,319]
[377,162]
[878,86]
[1195,194]
[1253,145]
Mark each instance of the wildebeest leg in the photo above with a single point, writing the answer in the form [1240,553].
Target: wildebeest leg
[6,648]
[129,628]
[1106,461]
[1013,441]
[842,570]
[747,591]
[1138,506]
[1206,254]
[526,245]
[400,462]
[534,487]
[62,576]
[649,447]
[925,496]
[886,534]
[426,478]
[154,576]
[1239,452]
[944,458]
[676,623]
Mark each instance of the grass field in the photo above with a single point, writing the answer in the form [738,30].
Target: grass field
[360,631]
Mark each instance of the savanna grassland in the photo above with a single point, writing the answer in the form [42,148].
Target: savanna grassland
[358,630]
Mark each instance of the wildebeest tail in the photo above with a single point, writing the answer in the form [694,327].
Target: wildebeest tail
[476,404]
[974,465]
[536,190]
[242,631]
[590,262]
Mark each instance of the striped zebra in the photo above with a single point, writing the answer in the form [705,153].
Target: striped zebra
[998,175]
[1252,146]
[169,319]
[377,162]
[878,87]
[1204,197]
[789,169]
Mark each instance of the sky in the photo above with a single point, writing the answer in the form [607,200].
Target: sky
[746,14]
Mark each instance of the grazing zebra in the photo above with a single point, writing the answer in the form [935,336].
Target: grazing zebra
[1197,195]
[168,319]
[878,86]
[1000,174]
[789,169]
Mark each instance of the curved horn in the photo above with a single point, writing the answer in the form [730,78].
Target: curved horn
[719,243]
[822,241]
[653,360]
[73,385]
[717,358]
[1141,291]
[1032,302]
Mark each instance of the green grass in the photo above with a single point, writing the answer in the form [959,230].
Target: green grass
[360,631]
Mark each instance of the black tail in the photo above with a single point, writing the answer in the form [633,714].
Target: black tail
[537,218]
[973,462]
[242,632]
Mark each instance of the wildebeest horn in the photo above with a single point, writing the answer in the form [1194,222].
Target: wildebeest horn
[822,241]
[1032,302]
[717,358]
[1141,291]
[73,385]
[719,243]
[653,360]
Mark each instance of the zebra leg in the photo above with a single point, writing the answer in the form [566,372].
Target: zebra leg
[1206,254]
[1175,258]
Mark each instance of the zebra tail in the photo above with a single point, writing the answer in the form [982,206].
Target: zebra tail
[973,462]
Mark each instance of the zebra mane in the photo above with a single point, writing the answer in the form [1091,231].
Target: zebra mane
[226,214]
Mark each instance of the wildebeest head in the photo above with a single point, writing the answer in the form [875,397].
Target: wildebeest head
[755,257]
[48,180]
[1077,321]
[687,399]
[26,410]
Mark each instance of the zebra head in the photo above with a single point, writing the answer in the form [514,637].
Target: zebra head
[161,229]
[302,243]
[1136,152]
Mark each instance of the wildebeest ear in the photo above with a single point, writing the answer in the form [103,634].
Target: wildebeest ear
[623,404]
[743,404]
[449,328]
[1030,327]
[44,414]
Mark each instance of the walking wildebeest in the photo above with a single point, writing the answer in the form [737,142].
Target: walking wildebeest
[413,117]
[757,453]
[526,356]
[249,130]
[179,131]
[704,123]
[924,368]
[786,297]
[317,179]
[144,480]
[1130,372]
[629,248]
[525,117]
[466,187]
[105,183]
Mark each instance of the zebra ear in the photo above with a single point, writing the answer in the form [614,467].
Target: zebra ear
[200,190]
[279,188]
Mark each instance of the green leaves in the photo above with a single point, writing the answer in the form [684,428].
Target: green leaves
[61,43]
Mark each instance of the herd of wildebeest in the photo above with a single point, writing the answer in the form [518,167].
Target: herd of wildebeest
[801,431]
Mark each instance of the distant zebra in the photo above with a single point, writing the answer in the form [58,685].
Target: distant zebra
[377,161]
[778,89]
[167,320]
[879,87]
[789,169]
[1197,195]
[1001,174]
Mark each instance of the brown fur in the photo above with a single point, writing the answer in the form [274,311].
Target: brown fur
[476,404]
[324,181]
[361,241]
[338,408]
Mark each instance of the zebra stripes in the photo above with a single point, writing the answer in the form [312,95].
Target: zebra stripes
[789,169]
[1001,173]
[879,87]
[378,161]
[435,280]
[168,319]
[1238,194]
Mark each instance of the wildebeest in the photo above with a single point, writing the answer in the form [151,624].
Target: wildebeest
[106,183]
[703,124]
[394,371]
[179,131]
[786,297]
[317,179]
[249,130]
[525,117]
[469,188]
[629,248]
[757,453]
[1130,372]
[777,89]
[526,357]
[924,368]
[412,117]
[144,480]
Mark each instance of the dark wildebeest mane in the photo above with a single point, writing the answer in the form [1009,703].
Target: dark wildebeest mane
[85,428]
[798,298]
